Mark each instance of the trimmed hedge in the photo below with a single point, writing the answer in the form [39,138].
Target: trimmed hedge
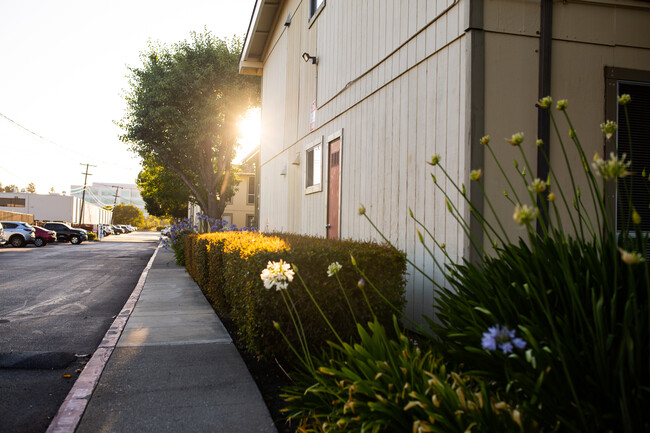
[227,267]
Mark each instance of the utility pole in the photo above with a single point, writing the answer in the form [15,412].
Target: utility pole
[117,188]
[83,196]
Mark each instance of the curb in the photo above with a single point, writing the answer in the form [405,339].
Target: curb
[69,415]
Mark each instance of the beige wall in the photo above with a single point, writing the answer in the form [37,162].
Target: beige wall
[587,37]
[240,209]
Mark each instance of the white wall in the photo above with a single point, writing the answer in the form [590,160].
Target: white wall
[53,207]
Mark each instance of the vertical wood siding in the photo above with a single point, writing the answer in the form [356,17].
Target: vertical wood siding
[391,76]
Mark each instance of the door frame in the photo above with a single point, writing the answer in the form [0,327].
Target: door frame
[326,151]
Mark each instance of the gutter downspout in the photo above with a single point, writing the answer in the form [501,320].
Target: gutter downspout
[543,116]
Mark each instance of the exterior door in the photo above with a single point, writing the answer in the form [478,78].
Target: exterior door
[334,189]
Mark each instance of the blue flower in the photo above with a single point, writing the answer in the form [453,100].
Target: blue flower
[501,338]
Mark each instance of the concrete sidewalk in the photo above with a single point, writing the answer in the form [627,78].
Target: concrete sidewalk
[175,368]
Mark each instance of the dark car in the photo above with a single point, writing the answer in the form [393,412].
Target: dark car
[65,233]
[117,229]
[43,236]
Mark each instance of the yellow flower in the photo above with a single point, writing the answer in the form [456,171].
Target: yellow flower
[362,210]
[475,175]
[562,104]
[539,185]
[516,139]
[631,258]
[609,128]
[612,168]
[545,102]
[485,140]
[524,214]
[539,142]
[435,159]
[624,99]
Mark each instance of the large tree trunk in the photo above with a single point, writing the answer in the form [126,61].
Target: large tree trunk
[215,207]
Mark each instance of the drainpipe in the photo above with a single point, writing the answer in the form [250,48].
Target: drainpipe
[544,89]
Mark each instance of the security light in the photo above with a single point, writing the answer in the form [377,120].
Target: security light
[306,57]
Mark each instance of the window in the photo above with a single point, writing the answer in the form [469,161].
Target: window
[227,218]
[229,200]
[251,190]
[250,221]
[12,202]
[313,167]
[634,144]
[315,6]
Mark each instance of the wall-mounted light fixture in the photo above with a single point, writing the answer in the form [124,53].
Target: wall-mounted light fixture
[306,57]
[287,23]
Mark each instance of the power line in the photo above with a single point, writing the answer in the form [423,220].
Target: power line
[57,144]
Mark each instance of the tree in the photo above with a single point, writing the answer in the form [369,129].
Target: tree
[163,191]
[128,214]
[31,188]
[183,108]
[11,188]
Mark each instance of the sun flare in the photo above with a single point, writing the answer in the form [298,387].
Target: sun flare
[249,132]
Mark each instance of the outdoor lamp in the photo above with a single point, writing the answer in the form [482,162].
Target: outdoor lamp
[306,57]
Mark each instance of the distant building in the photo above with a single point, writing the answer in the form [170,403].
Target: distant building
[242,209]
[103,194]
[53,207]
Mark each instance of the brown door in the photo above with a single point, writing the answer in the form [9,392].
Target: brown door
[334,189]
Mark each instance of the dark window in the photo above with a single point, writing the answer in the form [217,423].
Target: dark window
[250,221]
[9,225]
[314,5]
[635,144]
[12,202]
[251,190]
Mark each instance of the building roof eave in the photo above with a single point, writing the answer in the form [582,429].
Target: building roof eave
[259,31]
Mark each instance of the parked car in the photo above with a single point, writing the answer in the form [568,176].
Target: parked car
[43,236]
[65,233]
[167,231]
[2,236]
[117,229]
[18,233]
[107,230]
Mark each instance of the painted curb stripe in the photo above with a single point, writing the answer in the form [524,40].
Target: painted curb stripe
[69,415]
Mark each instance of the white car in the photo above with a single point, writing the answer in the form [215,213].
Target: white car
[18,233]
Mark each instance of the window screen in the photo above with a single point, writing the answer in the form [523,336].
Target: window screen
[634,142]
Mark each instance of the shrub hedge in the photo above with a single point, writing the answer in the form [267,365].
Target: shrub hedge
[227,267]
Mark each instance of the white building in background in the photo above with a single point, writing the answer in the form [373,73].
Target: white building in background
[103,194]
[54,207]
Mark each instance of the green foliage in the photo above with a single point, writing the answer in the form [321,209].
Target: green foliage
[227,266]
[584,314]
[580,298]
[128,214]
[163,191]
[92,236]
[183,109]
[389,384]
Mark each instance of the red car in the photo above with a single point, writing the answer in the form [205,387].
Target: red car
[43,236]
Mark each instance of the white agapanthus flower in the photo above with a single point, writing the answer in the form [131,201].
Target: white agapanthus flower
[333,268]
[278,275]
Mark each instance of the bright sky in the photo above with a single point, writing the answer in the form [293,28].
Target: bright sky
[64,70]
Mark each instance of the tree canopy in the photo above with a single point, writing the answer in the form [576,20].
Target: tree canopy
[163,191]
[183,108]
[128,214]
